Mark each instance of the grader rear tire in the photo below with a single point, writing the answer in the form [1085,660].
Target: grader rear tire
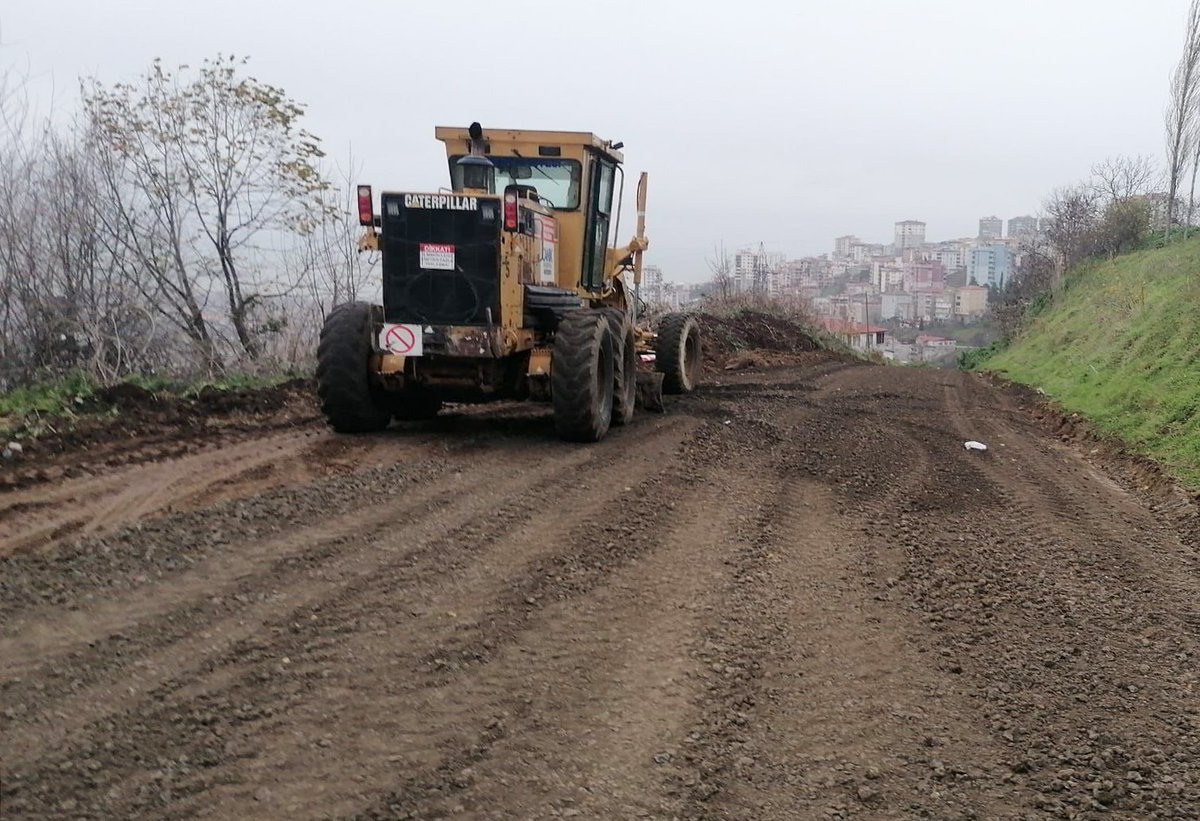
[625,370]
[677,353]
[348,400]
[581,377]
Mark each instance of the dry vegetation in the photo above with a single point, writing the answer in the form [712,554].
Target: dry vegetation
[182,224]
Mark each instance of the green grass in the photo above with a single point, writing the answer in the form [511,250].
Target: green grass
[26,412]
[1120,344]
[168,386]
[52,398]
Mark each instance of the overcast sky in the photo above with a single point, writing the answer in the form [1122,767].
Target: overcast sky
[786,122]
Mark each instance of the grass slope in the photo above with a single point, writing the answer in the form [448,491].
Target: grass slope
[1120,344]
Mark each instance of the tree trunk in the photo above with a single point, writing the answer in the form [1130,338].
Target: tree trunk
[1192,191]
[238,316]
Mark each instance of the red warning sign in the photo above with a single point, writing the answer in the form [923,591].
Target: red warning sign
[403,340]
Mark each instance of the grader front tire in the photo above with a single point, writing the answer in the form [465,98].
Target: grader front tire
[677,353]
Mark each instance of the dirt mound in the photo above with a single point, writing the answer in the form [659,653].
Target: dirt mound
[255,401]
[123,396]
[127,424]
[752,339]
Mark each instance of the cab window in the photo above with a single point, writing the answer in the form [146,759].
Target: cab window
[600,213]
[555,180]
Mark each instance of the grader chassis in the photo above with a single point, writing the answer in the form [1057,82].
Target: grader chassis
[505,286]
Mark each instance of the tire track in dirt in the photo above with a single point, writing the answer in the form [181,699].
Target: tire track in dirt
[281,554]
[425,705]
[855,720]
[592,709]
[435,543]
[162,637]
[39,517]
[774,731]
[561,662]
[794,596]
[413,486]
[1103,630]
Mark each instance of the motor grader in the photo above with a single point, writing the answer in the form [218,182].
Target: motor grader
[505,285]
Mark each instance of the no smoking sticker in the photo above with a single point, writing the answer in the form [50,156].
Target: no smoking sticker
[403,340]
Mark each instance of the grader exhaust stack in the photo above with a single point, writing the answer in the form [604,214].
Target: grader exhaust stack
[506,286]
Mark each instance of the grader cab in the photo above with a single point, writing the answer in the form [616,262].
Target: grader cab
[506,285]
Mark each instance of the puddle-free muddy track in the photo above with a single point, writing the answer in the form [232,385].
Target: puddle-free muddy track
[794,595]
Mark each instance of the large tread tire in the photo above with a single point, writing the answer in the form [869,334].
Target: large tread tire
[545,306]
[415,406]
[677,353]
[581,377]
[348,400]
[625,370]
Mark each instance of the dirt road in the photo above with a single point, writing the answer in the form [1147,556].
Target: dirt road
[794,596]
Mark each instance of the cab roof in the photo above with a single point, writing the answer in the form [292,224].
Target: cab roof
[455,136]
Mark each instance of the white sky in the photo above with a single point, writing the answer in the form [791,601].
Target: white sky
[782,121]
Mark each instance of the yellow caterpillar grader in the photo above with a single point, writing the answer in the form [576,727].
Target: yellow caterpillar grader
[505,286]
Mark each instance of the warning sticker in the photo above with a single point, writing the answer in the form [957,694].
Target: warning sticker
[547,273]
[403,340]
[549,231]
[437,257]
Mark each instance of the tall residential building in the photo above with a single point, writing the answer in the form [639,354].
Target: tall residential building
[971,300]
[887,275]
[990,265]
[756,270]
[652,283]
[925,275]
[1022,227]
[909,234]
[991,228]
[652,276]
[952,255]
[842,245]
[897,305]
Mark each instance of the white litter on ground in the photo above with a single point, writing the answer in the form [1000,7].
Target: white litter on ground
[973,445]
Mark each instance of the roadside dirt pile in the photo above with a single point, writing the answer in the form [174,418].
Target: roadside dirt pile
[127,424]
[753,339]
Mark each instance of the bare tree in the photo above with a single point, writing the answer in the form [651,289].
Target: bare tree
[721,267]
[1181,111]
[61,308]
[1123,226]
[1195,162]
[200,169]
[326,258]
[163,222]
[1072,213]
[1032,282]
[1121,178]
